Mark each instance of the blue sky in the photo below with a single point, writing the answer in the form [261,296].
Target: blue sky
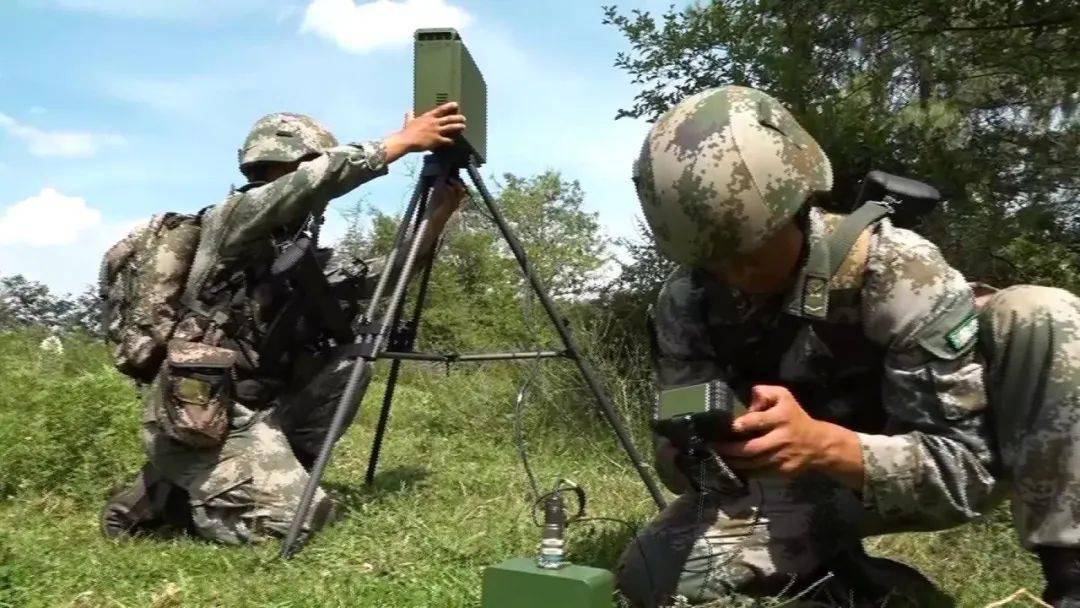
[112,110]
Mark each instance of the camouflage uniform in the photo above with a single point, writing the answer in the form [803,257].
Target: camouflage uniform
[949,403]
[247,488]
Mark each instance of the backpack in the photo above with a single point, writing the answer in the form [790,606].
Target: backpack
[141,283]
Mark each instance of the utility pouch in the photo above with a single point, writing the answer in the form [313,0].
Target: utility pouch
[196,393]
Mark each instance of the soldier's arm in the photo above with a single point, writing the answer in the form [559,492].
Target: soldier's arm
[933,467]
[682,355]
[284,203]
[287,201]
[444,202]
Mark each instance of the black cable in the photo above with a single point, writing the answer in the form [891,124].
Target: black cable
[519,429]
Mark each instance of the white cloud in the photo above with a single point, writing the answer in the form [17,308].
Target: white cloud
[58,143]
[359,28]
[47,219]
[163,10]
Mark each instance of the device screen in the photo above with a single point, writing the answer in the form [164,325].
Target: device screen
[693,399]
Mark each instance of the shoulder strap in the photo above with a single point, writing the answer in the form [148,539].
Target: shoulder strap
[843,238]
[824,261]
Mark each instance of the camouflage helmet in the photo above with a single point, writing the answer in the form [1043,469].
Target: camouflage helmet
[723,171]
[284,137]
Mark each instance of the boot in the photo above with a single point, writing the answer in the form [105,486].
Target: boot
[149,504]
[1061,567]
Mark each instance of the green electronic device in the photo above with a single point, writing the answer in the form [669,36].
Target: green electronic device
[692,418]
[445,71]
[521,583]
[708,406]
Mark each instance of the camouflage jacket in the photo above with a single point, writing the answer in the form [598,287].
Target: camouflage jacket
[240,239]
[893,359]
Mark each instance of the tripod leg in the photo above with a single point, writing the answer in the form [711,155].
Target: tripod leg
[395,367]
[361,372]
[572,349]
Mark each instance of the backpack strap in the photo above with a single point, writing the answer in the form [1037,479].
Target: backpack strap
[826,257]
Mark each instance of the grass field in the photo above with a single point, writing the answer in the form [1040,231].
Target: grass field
[449,501]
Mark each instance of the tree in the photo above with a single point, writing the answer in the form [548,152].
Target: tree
[978,98]
[26,303]
[478,297]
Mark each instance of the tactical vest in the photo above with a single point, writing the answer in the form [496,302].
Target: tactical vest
[838,372]
[269,306]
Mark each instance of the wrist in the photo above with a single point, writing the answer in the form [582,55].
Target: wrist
[839,454]
[399,144]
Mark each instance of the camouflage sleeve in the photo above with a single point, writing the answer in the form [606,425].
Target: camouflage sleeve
[287,201]
[683,348]
[682,355]
[932,468]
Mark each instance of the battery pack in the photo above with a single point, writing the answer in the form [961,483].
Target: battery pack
[520,583]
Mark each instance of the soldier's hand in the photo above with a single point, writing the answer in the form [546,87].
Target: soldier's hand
[432,129]
[783,439]
[450,193]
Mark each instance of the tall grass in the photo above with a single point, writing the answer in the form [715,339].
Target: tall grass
[450,497]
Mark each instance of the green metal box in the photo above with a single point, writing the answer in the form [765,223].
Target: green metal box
[443,70]
[520,583]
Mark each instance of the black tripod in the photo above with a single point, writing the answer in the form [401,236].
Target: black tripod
[390,339]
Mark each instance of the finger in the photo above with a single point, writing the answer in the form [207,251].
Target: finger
[764,396]
[451,129]
[759,422]
[445,109]
[452,119]
[751,448]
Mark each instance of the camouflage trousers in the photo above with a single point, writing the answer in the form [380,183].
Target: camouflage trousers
[248,488]
[781,535]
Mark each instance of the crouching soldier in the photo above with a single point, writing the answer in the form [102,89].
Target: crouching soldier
[880,397]
[246,387]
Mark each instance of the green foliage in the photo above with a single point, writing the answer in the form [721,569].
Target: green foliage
[978,98]
[478,296]
[449,500]
[450,497]
[68,422]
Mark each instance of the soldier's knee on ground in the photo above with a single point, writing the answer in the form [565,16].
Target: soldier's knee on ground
[246,514]
[681,555]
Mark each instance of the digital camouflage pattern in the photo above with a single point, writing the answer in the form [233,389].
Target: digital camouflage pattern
[284,137]
[864,367]
[720,172]
[903,360]
[247,221]
[246,488]
[716,546]
[141,281]
[1030,338]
